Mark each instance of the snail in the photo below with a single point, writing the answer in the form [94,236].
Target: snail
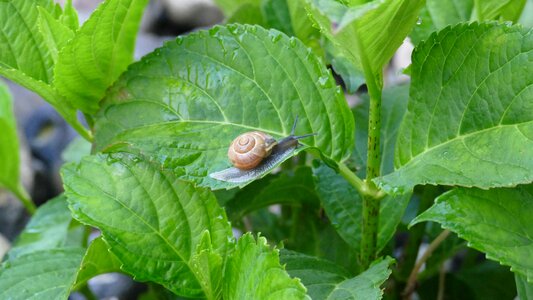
[254,153]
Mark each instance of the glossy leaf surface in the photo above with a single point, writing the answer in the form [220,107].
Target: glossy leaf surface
[470,115]
[495,221]
[155,224]
[186,102]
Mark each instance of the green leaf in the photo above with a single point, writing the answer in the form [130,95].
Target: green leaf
[47,229]
[45,274]
[319,276]
[69,17]
[21,45]
[97,260]
[295,189]
[393,108]
[101,50]
[253,271]
[499,9]
[277,15]
[186,102]
[438,14]
[469,120]
[343,205]
[248,13]
[488,280]
[153,222]
[55,34]
[76,150]
[524,288]
[495,221]
[364,34]
[326,280]
[229,7]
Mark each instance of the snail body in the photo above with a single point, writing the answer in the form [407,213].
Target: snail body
[253,154]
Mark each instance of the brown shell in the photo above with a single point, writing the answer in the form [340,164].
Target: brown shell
[248,149]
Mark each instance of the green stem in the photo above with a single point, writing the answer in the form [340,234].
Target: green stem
[371,201]
[355,181]
[23,196]
[87,292]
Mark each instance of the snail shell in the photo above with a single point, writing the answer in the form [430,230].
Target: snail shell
[250,148]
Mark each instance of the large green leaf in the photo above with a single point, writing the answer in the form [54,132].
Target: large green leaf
[470,115]
[318,275]
[45,274]
[22,47]
[367,34]
[47,229]
[186,102]
[101,50]
[497,222]
[253,271]
[326,280]
[343,205]
[160,228]
[295,189]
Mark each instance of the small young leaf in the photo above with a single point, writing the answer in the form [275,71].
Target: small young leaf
[101,50]
[342,204]
[469,120]
[495,221]
[186,102]
[55,34]
[369,33]
[21,45]
[153,222]
[69,17]
[253,271]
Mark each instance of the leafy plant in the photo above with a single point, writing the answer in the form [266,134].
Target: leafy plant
[452,148]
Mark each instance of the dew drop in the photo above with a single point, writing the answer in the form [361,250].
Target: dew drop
[179,40]
[323,81]
[419,21]
[274,37]
[292,42]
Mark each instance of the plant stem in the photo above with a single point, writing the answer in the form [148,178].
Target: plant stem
[23,196]
[411,282]
[355,181]
[442,281]
[86,291]
[371,201]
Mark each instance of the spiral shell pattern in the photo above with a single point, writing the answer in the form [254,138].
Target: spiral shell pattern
[248,149]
